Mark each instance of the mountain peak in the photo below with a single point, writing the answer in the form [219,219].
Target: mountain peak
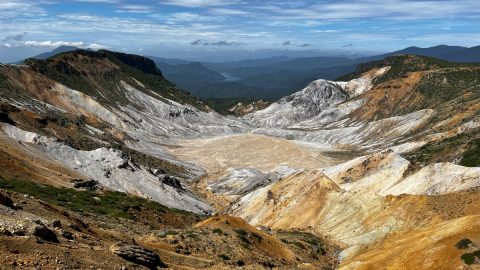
[142,63]
[89,61]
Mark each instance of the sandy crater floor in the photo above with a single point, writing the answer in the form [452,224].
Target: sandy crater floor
[251,151]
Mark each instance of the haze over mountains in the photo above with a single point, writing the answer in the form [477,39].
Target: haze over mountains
[274,77]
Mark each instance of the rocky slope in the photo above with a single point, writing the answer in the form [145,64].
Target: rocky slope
[113,127]
[242,109]
[341,174]
[373,148]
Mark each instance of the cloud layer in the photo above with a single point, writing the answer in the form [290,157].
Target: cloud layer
[171,25]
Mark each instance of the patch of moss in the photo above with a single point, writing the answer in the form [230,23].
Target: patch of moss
[464,147]
[258,237]
[445,85]
[221,105]
[469,258]
[217,231]
[299,244]
[110,204]
[400,65]
[471,157]
[242,235]
[240,231]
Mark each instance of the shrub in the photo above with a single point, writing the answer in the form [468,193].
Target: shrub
[240,231]
[258,237]
[469,258]
[224,257]
[463,244]
[299,244]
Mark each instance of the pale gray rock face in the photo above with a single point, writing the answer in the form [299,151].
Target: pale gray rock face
[160,116]
[112,170]
[243,181]
[307,103]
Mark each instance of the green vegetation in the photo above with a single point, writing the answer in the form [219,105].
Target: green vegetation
[471,157]
[98,73]
[445,85]
[5,87]
[303,240]
[258,237]
[217,231]
[463,244]
[469,258]
[403,64]
[191,235]
[224,257]
[221,105]
[240,231]
[242,235]
[110,204]
[464,147]
[299,244]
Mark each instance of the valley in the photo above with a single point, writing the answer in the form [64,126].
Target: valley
[343,174]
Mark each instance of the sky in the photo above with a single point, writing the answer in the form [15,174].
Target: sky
[219,30]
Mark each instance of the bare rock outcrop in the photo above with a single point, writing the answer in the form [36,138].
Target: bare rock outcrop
[44,233]
[6,201]
[138,255]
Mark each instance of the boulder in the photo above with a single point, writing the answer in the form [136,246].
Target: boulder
[171,181]
[44,233]
[56,224]
[85,184]
[67,235]
[5,200]
[138,255]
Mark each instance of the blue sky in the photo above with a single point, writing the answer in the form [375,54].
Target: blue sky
[224,29]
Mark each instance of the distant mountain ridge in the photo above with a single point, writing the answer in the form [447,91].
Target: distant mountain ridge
[278,76]
[56,51]
[449,53]
[275,77]
[191,76]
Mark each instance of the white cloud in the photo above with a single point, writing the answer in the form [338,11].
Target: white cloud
[228,11]
[54,44]
[189,17]
[381,9]
[79,17]
[324,31]
[98,1]
[221,43]
[134,9]
[199,3]
[9,9]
